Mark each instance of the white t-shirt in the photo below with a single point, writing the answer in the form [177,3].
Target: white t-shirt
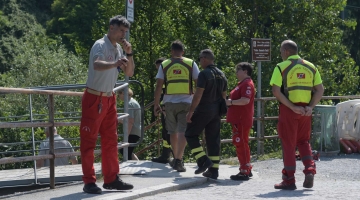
[103,81]
[178,98]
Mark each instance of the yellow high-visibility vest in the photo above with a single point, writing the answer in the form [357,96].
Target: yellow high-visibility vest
[178,75]
[298,79]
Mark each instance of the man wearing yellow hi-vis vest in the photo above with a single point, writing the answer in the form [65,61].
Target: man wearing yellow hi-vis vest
[297,85]
[178,74]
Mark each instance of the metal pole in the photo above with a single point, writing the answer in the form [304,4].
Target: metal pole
[126,103]
[51,141]
[262,126]
[33,137]
[258,92]
[323,127]
[126,119]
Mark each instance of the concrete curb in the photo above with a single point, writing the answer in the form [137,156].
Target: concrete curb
[168,187]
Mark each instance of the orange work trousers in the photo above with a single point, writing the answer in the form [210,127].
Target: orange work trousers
[104,123]
[240,140]
[294,131]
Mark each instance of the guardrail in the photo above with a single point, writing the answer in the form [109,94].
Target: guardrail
[262,118]
[51,124]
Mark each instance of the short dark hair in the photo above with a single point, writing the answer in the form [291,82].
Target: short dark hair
[290,45]
[207,53]
[177,45]
[119,20]
[245,66]
[160,60]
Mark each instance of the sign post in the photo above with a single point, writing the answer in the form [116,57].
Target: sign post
[130,10]
[260,51]
[130,18]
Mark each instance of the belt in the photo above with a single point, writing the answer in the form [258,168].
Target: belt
[106,94]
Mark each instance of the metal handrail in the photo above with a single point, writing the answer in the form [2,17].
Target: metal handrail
[50,156]
[34,91]
[120,87]
[51,123]
[40,123]
[262,119]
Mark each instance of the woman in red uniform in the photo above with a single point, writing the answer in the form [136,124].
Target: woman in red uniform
[240,116]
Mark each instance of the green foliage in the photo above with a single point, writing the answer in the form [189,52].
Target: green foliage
[15,24]
[42,64]
[72,21]
[351,16]
[32,59]
[226,28]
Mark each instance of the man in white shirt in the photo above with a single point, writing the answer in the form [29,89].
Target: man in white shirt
[178,74]
[99,115]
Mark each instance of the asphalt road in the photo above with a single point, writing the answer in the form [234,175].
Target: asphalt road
[338,177]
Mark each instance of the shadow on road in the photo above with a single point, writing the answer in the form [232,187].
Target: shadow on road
[10,191]
[285,193]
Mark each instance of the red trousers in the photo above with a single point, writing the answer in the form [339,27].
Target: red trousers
[241,142]
[294,131]
[105,123]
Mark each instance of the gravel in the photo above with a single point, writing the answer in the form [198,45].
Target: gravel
[337,177]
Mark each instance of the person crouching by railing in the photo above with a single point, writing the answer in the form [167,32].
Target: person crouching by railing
[134,122]
[60,145]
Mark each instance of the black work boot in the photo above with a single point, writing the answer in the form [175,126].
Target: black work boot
[212,173]
[179,165]
[118,184]
[240,177]
[164,157]
[203,162]
[92,188]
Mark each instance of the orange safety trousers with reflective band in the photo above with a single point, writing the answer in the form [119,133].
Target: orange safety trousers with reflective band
[104,123]
[294,131]
[240,140]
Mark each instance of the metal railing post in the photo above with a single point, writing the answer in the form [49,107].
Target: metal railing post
[262,127]
[126,120]
[258,127]
[33,137]
[51,141]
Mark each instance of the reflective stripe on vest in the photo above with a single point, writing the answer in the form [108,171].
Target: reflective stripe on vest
[296,93]
[178,76]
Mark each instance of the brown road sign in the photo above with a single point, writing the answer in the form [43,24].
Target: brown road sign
[260,49]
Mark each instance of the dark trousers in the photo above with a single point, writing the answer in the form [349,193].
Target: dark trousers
[165,135]
[208,119]
[132,139]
